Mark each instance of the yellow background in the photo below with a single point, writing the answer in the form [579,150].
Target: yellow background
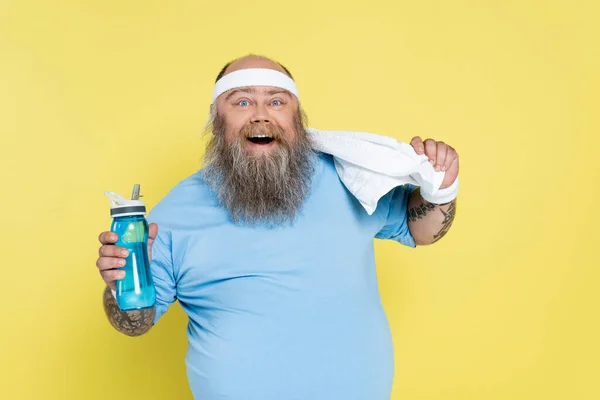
[99,95]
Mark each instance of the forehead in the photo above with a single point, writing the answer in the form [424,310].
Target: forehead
[253,62]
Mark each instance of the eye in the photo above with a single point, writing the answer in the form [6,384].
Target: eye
[243,103]
[276,103]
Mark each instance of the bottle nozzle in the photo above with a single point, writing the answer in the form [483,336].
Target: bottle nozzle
[135,195]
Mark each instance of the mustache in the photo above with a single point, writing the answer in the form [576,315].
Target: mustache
[254,129]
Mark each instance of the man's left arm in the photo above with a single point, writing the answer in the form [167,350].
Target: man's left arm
[429,222]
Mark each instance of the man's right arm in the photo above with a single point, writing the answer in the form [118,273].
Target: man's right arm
[110,261]
[130,323]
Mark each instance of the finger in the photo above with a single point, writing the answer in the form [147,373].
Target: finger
[431,150]
[108,263]
[450,157]
[152,232]
[417,144]
[108,238]
[442,149]
[112,251]
[112,275]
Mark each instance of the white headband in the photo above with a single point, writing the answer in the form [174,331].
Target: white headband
[254,77]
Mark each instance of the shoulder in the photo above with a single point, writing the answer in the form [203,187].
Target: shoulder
[325,160]
[325,167]
[186,199]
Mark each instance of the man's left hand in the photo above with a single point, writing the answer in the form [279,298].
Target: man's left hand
[441,156]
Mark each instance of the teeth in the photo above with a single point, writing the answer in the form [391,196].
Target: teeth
[260,136]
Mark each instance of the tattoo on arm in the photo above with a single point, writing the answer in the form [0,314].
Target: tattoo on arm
[447,222]
[419,212]
[425,208]
[130,323]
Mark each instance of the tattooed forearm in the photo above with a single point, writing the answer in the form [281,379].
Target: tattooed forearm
[130,323]
[429,222]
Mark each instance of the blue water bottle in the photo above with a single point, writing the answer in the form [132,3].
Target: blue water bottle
[136,291]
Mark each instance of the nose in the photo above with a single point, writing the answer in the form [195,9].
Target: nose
[261,115]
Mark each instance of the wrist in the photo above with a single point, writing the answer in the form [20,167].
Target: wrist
[441,196]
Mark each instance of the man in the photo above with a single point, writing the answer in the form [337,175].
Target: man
[272,258]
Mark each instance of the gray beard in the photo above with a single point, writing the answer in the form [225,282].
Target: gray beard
[267,188]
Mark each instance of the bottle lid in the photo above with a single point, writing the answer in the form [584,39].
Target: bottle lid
[122,207]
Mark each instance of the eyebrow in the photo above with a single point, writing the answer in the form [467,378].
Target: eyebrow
[245,90]
[252,90]
[277,91]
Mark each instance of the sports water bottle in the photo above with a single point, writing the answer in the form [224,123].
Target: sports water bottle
[136,291]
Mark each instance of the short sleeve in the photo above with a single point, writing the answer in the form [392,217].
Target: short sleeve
[396,223]
[162,273]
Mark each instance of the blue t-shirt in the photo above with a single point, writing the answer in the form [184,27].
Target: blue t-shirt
[280,314]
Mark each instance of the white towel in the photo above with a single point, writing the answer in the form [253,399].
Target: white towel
[371,165]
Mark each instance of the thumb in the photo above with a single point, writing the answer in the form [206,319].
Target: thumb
[152,232]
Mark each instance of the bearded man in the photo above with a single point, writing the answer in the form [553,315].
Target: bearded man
[272,258]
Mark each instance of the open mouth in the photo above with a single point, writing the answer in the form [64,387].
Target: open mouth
[261,139]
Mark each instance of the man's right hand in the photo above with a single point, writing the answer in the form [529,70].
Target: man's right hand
[112,257]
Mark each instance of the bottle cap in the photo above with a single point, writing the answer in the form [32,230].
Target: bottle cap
[122,207]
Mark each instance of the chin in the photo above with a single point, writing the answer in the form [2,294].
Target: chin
[260,148]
